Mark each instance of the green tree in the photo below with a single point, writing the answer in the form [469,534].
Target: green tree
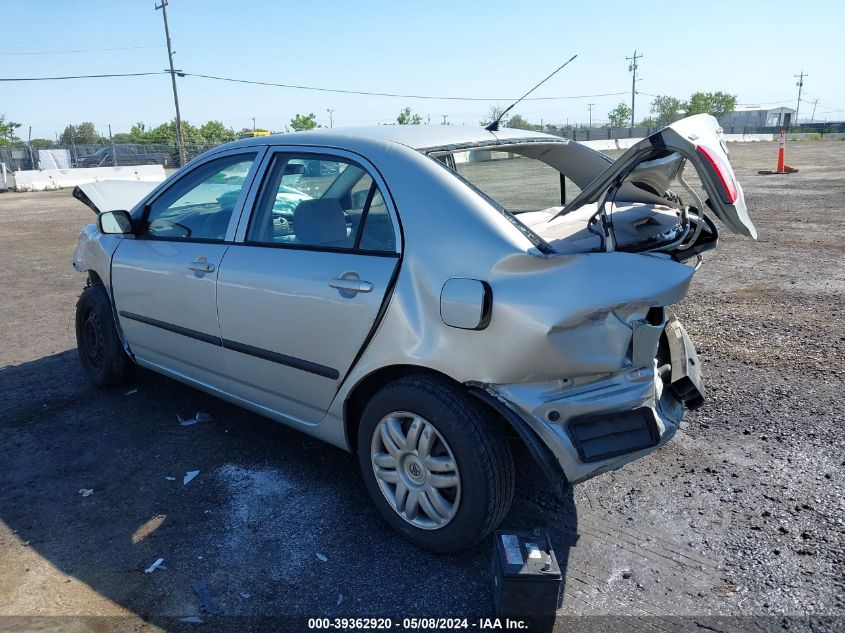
[520,123]
[716,103]
[665,110]
[7,131]
[304,122]
[41,143]
[407,117]
[215,132]
[620,116]
[139,133]
[82,134]
[494,113]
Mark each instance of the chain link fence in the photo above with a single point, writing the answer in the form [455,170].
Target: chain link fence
[101,155]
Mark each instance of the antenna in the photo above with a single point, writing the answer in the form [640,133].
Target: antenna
[495,124]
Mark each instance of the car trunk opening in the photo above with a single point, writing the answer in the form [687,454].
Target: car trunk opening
[656,197]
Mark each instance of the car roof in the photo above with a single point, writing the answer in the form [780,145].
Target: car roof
[419,137]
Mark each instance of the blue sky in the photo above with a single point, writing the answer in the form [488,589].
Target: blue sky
[477,49]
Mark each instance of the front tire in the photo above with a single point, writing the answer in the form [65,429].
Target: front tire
[100,349]
[439,470]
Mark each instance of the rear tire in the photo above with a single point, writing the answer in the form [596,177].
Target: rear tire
[439,470]
[100,349]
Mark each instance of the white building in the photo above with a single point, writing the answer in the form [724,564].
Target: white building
[756,116]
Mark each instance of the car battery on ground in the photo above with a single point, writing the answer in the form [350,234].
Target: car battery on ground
[526,574]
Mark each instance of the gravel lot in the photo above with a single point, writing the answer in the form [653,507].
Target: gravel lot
[741,515]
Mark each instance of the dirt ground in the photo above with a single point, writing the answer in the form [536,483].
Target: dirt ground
[738,524]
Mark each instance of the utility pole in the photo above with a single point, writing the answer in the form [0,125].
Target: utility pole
[179,145]
[331,116]
[815,103]
[632,67]
[590,108]
[29,144]
[253,123]
[444,119]
[113,153]
[800,84]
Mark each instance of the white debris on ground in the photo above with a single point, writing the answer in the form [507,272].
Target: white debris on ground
[86,492]
[159,564]
[201,416]
[189,477]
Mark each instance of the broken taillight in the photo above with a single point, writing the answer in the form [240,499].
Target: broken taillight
[724,172]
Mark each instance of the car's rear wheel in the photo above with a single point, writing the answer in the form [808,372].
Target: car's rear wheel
[439,470]
[100,350]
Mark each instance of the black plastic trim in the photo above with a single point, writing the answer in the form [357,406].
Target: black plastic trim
[645,415]
[282,359]
[319,249]
[176,329]
[273,357]
[539,451]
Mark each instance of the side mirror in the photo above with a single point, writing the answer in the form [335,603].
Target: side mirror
[114,223]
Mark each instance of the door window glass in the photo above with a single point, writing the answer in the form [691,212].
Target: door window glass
[200,205]
[321,202]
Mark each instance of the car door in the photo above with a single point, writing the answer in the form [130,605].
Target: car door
[164,280]
[299,294]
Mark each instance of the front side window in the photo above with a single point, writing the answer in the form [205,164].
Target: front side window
[200,205]
[321,202]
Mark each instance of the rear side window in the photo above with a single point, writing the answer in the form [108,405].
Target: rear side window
[200,204]
[321,202]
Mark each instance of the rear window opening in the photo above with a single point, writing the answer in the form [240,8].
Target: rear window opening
[518,183]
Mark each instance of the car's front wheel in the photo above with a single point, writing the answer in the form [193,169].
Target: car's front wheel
[100,350]
[439,470]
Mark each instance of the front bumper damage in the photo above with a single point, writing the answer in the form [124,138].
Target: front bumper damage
[591,425]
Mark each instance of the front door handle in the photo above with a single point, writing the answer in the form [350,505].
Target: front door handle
[351,285]
[201,265]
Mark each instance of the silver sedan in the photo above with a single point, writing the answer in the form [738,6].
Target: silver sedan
[415,294]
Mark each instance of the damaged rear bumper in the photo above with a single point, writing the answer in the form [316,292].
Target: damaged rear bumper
[596,424]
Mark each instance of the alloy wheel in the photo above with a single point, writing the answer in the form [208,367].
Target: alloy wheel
[415,470]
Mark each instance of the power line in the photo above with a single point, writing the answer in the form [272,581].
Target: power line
[80,76]
[314,88]
[82,50]
[388,94]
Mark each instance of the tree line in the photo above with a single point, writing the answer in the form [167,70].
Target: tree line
[664,110]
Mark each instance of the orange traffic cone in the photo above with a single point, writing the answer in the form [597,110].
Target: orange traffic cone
[782,167]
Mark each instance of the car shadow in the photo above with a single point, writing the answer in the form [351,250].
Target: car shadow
[276,525]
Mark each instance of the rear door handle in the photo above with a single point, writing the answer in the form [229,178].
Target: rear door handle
[351,285]
[201,265]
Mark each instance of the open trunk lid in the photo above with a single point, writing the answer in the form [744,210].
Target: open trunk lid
[698,139]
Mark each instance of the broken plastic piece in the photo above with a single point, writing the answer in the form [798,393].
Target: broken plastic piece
[170,478]
[189,476]
[156,565]
[130,392]
[86,492]
[322,557]
[192,619]
[201,416]
[201,589]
